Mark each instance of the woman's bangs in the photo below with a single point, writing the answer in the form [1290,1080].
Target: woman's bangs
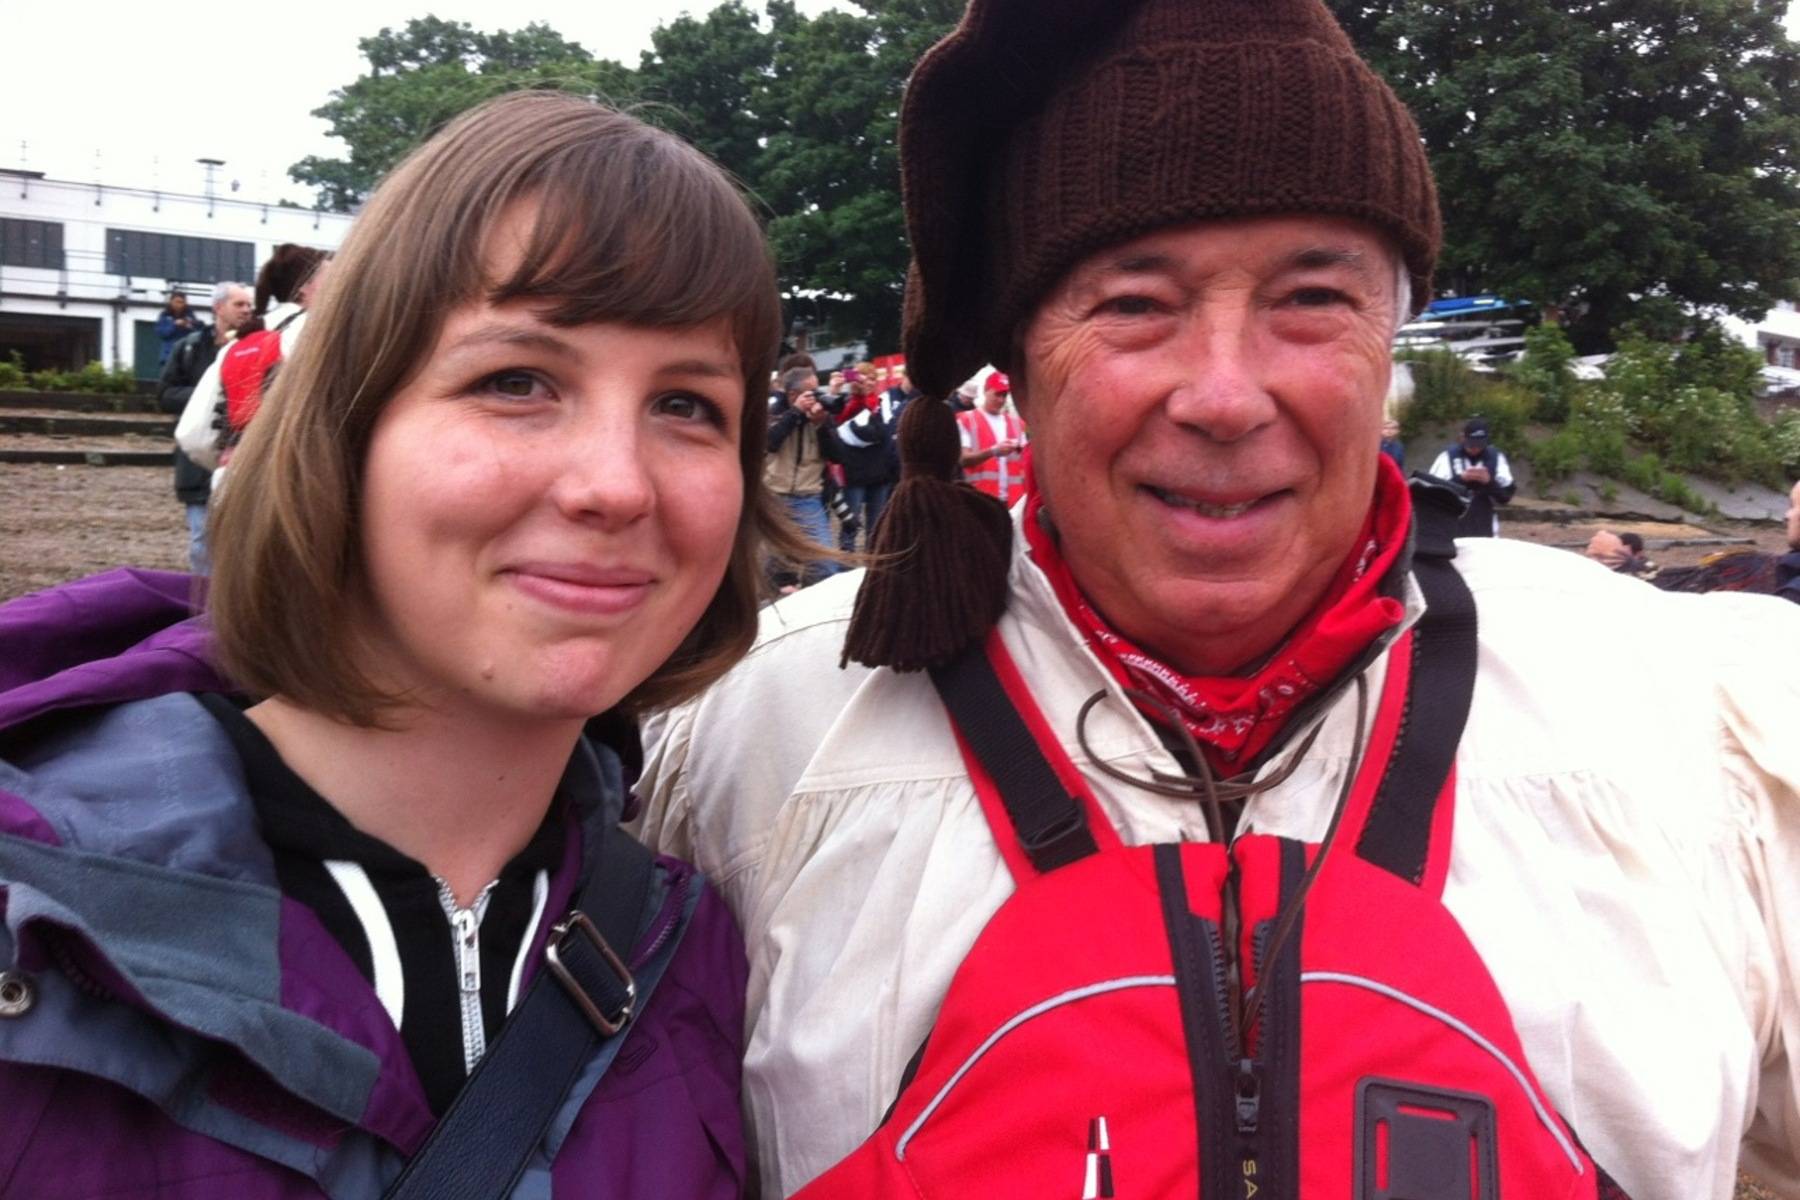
[660,240]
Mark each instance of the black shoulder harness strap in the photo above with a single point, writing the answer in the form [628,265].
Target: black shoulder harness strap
[1051,826]
[1050,822]
[1397,835]
[583,997]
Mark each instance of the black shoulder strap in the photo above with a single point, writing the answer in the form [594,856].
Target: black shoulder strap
[1397,835]
[582,998]
[1050,823]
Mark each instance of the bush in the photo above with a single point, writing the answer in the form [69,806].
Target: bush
[1545,371]
[1694,404]
[94,377]
[12,371]
[1445,389]
[1557,457]
[1784,442]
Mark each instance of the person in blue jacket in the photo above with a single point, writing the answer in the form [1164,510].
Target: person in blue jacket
[175,322]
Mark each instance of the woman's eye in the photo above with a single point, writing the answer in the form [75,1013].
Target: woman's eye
[686,407]
[512,385]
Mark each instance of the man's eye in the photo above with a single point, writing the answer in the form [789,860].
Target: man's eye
[1318,297]
[1129,306]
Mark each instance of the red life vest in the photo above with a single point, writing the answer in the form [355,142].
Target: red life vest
[245,372]
[1090,1043]
[987,476]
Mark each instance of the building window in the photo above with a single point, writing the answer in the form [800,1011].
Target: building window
[170,256]
[31,244]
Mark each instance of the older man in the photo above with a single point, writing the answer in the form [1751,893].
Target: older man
[1187,229]
[192,354]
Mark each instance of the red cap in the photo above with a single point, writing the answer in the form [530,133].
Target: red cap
[998,382]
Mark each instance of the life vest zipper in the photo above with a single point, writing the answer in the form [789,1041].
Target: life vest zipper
[1243,1073]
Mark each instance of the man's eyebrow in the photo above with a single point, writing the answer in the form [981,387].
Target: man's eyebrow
[513,335]
[1135,264]
[1316,258]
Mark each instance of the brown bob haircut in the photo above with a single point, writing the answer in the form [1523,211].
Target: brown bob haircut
[634,226]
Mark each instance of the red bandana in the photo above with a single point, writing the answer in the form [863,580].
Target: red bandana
[1233,717]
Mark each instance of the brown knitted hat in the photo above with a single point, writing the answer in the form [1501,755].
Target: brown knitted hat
[1040,131]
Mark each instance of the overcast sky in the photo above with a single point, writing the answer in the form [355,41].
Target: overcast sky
[152,86]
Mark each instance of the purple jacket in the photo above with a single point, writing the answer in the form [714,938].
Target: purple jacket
[188,1031]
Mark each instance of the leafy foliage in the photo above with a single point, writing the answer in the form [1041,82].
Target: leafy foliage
[423,75]
[93,377]
[1604,156]
[803,110]
[1546,370]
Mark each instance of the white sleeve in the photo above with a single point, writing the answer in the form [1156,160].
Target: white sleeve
[1502,470]
[847,432]
[194,432]
[965,435]
[1440,466]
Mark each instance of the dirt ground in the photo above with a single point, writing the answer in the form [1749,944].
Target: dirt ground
[60,523]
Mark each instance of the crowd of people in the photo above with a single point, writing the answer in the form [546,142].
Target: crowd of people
[1172,797]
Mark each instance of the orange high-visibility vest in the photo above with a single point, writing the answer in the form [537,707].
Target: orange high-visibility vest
[998,477]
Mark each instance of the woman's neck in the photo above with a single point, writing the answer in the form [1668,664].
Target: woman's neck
[460,793]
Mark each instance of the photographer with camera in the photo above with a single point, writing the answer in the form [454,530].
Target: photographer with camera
[802,439]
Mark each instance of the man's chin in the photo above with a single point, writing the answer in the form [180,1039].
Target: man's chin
[1210,625]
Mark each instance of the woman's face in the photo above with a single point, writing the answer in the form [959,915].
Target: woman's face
[309,289]
[546,512]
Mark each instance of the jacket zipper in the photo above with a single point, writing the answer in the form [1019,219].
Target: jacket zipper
[465,938]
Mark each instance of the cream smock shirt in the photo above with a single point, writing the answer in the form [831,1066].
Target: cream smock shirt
[1626,854]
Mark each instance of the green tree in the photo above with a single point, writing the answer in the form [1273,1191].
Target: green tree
[1599,155]
[704,78]
[830,168]
[425,74]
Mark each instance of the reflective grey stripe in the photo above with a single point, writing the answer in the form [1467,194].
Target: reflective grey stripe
[1036,1010]
[1439,1014]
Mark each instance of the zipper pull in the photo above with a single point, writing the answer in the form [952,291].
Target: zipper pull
[468,949]
[1248,1089]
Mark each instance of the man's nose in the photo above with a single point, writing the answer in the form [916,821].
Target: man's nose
[1221,393]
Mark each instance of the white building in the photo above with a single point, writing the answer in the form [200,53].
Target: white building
[85,268]
[1777,338]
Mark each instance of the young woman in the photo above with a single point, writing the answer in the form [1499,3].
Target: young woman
[274,878]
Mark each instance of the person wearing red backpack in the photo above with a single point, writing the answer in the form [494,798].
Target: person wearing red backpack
[231,391]
[1213,824]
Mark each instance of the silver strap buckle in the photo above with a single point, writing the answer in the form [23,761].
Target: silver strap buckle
[577,922]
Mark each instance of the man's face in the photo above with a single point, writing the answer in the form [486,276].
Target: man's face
[1473,446]
[1204,402]
[994,400]
[1793,517]
[234,310]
